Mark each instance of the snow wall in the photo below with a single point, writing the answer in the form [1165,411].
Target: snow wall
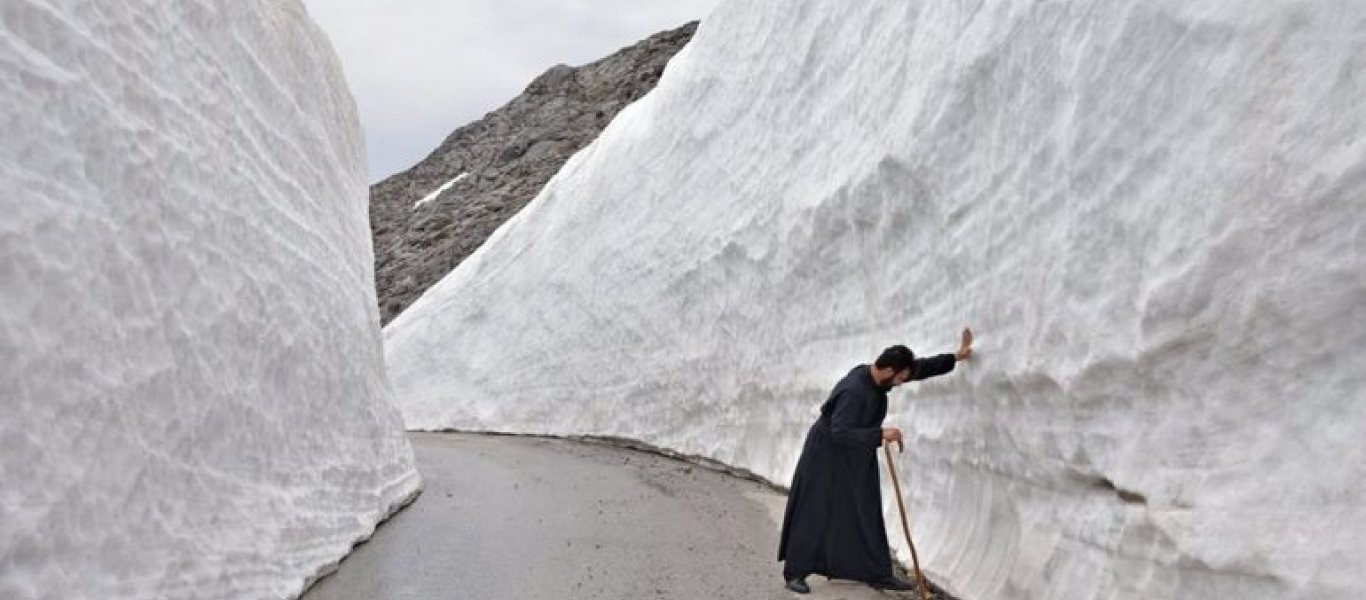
[1151,212]
[195,402]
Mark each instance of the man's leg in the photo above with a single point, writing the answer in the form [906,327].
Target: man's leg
[798,584]
[891,582]
[803,539]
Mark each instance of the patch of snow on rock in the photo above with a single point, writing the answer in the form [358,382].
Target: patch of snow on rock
[440,190]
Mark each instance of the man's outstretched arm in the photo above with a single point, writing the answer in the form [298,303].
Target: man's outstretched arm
[926,368]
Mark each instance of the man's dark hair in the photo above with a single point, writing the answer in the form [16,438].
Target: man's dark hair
[898,357]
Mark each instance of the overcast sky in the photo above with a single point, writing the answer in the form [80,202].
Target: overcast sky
[421,68]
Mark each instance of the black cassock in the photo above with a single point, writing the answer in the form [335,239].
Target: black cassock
[833,525]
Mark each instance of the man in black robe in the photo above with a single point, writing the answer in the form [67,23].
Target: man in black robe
[833,525]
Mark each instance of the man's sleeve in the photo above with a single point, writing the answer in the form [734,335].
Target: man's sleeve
[848,419]
[933,366]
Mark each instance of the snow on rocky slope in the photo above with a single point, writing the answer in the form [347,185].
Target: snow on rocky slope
[195,401]
[428,218]
[1151,212]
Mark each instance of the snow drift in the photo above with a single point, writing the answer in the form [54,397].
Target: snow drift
[1151,212]
[195,403]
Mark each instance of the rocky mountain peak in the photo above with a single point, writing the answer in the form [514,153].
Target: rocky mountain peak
[427,219]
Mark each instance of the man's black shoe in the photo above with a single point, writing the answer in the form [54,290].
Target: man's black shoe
[891,582]
[798,584]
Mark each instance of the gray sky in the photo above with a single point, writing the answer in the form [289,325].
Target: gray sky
[421,68]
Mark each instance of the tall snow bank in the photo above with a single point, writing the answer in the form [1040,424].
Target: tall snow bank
[1151,212]
[195,402]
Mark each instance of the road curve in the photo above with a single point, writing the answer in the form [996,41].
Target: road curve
[524,518]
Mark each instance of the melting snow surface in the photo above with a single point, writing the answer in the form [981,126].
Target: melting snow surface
[1151,212]
[195,402]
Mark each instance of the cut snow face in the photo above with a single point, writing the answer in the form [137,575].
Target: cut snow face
[1149,212]
[195,402]
[445,186]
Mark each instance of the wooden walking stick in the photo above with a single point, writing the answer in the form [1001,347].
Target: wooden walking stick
[905,527]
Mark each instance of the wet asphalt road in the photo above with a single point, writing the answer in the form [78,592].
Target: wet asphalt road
[522,518]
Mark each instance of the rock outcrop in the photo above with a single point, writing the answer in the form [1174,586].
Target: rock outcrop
[427,219]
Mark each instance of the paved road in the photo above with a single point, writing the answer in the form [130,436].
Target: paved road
[521,518]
